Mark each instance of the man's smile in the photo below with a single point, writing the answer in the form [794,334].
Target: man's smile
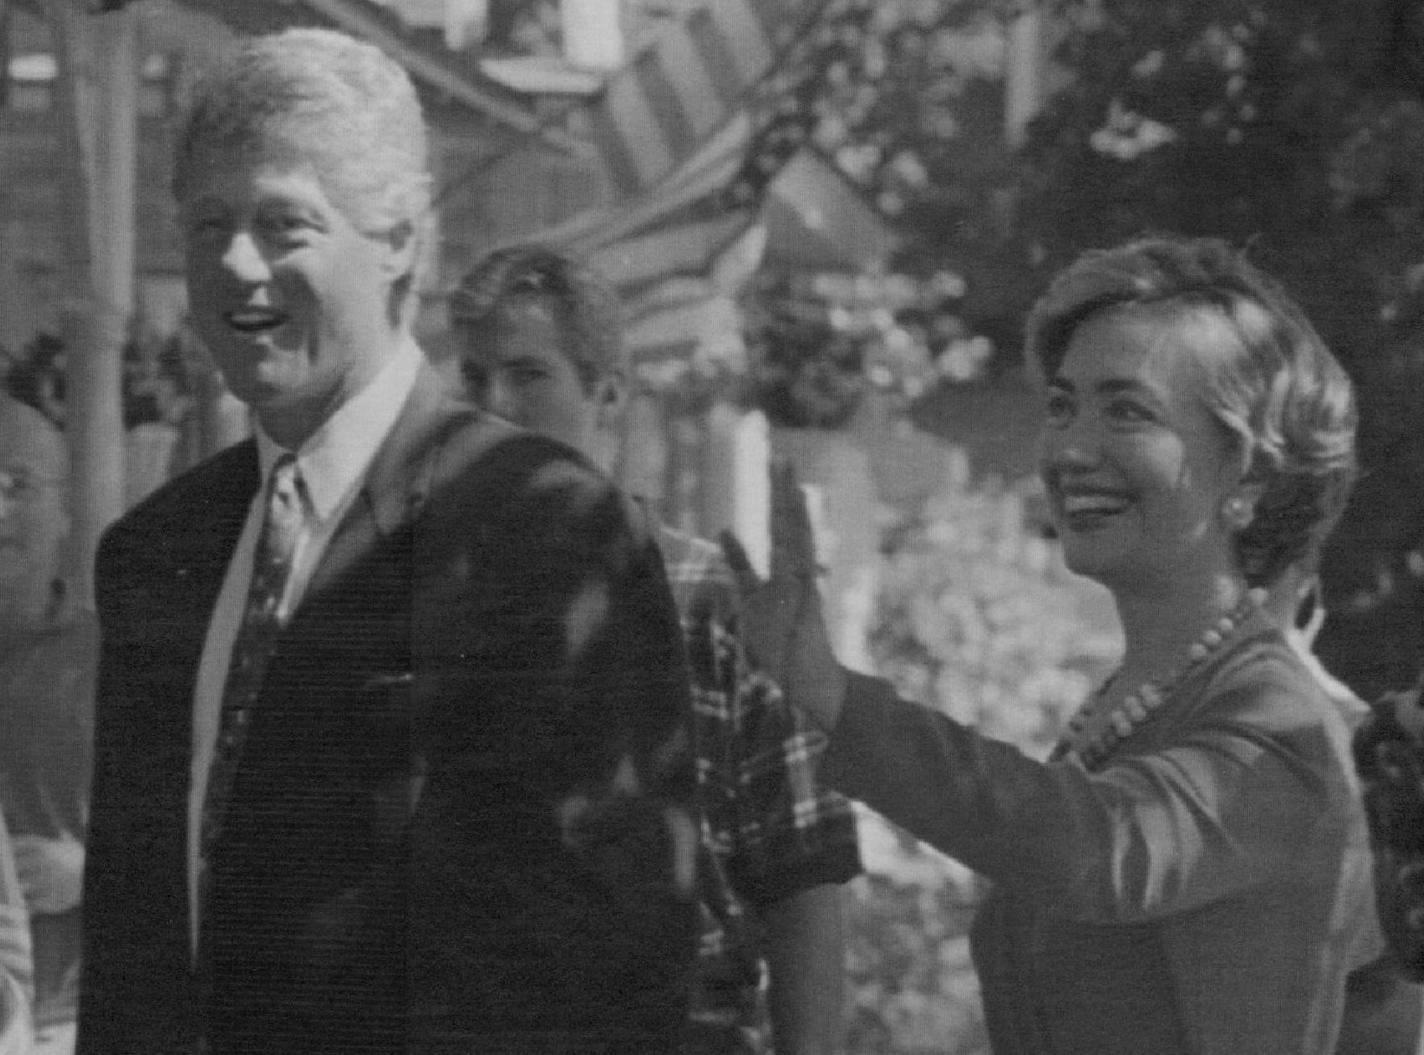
[255,320]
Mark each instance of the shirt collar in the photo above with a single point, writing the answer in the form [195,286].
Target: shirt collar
[335,457]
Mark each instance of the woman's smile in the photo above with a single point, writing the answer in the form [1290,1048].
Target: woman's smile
[1087,508]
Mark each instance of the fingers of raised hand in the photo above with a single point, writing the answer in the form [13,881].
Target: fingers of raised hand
[793,543]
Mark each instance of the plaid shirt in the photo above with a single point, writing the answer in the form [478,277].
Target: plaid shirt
[768,832]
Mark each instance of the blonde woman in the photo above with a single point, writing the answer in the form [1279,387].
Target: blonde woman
[1182,875]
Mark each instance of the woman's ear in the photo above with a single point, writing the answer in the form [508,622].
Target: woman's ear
[1239,507]
[1243,484]
[611,400]
[401,244]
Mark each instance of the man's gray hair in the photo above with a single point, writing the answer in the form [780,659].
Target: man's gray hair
[341,104]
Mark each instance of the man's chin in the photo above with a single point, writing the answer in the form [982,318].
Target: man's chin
[264,382]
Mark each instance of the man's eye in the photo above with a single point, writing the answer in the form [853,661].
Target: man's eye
[1058,411]
[475,377]
[205,226]
[282,226]
[525,375]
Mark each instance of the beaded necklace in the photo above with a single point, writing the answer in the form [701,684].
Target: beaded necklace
[1096,729]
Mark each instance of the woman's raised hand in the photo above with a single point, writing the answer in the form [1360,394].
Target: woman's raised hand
[781,621]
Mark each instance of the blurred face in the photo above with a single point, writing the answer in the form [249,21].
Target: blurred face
[291,298]
[33,522]
[1136,467]
[514,366]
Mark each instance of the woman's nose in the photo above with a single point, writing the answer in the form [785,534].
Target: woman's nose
[1074,443]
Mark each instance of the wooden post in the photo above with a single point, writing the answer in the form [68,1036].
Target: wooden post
[1022,69]
[98,112]
[593,34]
[736,492]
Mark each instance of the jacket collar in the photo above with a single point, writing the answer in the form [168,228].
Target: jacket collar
[399,478]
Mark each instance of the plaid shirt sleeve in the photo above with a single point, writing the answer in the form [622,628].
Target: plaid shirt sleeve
[778,830]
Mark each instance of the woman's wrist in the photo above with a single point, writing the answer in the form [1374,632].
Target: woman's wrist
[819,687]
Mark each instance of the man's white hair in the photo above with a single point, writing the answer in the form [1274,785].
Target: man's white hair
[340,104]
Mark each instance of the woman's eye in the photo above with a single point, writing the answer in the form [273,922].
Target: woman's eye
[525,375]
[1128,412]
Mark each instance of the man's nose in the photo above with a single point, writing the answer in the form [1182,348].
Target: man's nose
[499,399]
[243,258]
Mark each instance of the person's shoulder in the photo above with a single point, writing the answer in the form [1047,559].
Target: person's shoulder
[693,559]
[473,442]
[231,474]
[500,470]
[1263,683]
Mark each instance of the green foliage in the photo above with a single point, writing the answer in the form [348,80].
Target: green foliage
[1295,126]
[819,343]
[807,375]
[979,619]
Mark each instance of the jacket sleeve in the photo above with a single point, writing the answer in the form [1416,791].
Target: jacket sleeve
[135,958]
[551,682]
[542,594]
[1226,805]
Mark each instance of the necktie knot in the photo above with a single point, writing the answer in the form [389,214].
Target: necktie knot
[277,544]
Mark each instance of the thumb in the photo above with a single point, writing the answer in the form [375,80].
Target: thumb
[738,560]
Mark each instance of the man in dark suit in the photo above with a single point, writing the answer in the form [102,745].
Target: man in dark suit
[390,750]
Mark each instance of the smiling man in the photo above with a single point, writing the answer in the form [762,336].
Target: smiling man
[391,695]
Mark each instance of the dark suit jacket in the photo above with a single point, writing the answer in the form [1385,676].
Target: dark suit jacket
[449,826]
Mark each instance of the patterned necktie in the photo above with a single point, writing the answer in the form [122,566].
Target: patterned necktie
[262,618]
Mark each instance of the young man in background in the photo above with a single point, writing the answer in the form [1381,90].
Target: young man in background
[540,343]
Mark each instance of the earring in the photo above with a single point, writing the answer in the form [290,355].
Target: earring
[1237,513]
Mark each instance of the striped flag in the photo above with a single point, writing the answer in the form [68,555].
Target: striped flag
[695,78]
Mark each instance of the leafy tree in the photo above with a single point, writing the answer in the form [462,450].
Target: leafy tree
[1297,126]
[1294,126]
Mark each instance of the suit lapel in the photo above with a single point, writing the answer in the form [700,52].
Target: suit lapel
[202,547]
[396,484]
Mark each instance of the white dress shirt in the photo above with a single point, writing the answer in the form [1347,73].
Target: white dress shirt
[331,466]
